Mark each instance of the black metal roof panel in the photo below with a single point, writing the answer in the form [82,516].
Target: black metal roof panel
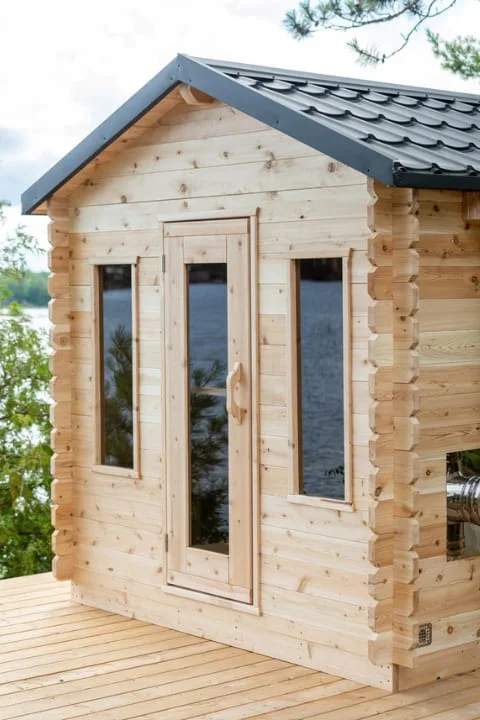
[424,132]
[400,135]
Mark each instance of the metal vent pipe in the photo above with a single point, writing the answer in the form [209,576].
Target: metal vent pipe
[463,498]
[463,505]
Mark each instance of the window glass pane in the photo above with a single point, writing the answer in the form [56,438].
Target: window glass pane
[116,361]
[208,358]
[320,377]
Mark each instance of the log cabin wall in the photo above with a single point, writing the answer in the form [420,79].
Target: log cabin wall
[445,594]
[380,355]
[429,256]
[61,389]
[324,585]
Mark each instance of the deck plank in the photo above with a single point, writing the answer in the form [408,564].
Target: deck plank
[188,666]
[64,661]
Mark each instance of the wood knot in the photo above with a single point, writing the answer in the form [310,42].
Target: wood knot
[331,167]
[450,629]
[123,199]
[183,188]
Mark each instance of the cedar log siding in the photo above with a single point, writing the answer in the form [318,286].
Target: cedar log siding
[324,580]
[426,317]
[60,363]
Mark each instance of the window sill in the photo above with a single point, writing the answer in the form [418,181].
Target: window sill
[211,599]
[311,501]
[117,471]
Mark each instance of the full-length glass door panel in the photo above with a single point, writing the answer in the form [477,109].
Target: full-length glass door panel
[208,407]
[208,363]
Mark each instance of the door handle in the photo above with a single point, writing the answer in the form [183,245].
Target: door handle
[233,378]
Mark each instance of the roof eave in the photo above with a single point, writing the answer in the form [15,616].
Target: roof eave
[100,138]
[207,79]
[435,181]
[183,69]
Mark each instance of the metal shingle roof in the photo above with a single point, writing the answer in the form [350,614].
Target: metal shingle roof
[423,131]
[403,136]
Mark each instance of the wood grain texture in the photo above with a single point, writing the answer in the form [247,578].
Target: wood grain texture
[442,592]
[307,205]
[60,388]
[405,272]
[380,412]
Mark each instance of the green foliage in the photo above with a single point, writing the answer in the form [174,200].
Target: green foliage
[470,461]
[467,462]
[14,253]
[118,392]
[24,427]
[461,55]
[208,457]
[30,289]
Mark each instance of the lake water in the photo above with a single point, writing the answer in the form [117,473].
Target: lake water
[39,317]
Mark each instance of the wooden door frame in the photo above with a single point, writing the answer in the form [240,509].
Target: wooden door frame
[254,607]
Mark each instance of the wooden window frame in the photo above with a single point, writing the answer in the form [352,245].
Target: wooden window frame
[294,494]
[96,264]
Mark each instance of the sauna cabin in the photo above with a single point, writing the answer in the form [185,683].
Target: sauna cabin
[266,367]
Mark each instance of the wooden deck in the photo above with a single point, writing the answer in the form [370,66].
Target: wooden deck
[60,660]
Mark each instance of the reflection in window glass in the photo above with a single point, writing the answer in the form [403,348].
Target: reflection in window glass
[116,377]
[208,357]
[320,377]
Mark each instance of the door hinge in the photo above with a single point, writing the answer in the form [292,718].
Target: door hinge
[163,263]
[166,542]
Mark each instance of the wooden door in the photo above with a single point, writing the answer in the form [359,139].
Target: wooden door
[208,407]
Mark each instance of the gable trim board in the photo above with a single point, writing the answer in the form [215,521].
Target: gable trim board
[302,123]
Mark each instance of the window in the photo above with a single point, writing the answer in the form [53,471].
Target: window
[320,377]
[463,513]
[208,422]
[115,367]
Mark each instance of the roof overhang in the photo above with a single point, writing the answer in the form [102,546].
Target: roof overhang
[212,81]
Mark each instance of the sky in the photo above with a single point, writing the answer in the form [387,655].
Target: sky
[65,67]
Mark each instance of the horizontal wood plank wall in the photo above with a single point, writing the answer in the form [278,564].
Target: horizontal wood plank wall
[317,602]
[405,295]
[60,390]
[447,594]
[380,355]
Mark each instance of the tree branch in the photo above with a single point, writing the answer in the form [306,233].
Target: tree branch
[348,15]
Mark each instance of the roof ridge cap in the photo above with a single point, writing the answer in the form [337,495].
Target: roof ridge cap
[334,79]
